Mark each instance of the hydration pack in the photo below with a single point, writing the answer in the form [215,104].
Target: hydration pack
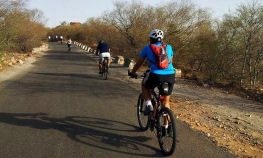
[160,55]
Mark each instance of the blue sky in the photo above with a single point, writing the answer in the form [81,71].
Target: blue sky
[57,11]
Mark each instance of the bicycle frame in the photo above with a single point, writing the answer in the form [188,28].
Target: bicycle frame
[157,107]
[159,104]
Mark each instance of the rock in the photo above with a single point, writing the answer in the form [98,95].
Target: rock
[119,60]
[197,124]
[238,118]
[237,122]
[13,60]
[20,62]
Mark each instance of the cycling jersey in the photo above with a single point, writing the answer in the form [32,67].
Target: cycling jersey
[103,47]
[149,54]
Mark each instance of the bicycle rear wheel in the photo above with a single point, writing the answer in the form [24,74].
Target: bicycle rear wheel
[166,137]
[142,119]
[105,70]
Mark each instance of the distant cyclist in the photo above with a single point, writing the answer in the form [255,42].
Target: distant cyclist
[61,39]
[156,74]
[69,44]
[103,49]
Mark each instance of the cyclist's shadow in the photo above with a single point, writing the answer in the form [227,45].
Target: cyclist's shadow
[95,132]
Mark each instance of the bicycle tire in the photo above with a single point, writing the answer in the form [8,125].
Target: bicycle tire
[142,119]
[163,137]
[105,70]
[102,69]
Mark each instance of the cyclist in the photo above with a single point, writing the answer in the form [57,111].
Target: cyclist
[61,38]
[156,75]
[69,43]
[103,49]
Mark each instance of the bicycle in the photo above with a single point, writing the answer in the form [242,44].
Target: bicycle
[105,68]
[155,120]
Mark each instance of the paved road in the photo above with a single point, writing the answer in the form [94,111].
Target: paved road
[61,108]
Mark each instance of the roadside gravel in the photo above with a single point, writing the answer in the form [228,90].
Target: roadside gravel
[230,121]
[11,71]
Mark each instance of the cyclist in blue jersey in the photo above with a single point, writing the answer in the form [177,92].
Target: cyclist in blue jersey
[156,75]
[103,49]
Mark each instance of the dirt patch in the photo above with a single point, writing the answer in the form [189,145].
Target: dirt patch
[12,59]
[14,63]
[230,121]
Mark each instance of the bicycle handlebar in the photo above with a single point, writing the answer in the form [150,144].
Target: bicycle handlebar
[132,75]
[136,75]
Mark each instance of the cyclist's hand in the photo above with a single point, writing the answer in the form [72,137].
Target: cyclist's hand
[132,75]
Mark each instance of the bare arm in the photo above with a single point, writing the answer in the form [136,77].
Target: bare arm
[97,51]
[138,64]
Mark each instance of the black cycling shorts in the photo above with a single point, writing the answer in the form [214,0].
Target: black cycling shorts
[152,80]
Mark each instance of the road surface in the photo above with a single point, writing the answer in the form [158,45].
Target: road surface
[62,108]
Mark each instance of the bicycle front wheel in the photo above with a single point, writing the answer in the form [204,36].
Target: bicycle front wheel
[166,136]
[142,119]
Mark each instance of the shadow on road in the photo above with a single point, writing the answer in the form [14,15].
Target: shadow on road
[95,132]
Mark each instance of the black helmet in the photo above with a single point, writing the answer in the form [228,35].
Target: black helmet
[101,41]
